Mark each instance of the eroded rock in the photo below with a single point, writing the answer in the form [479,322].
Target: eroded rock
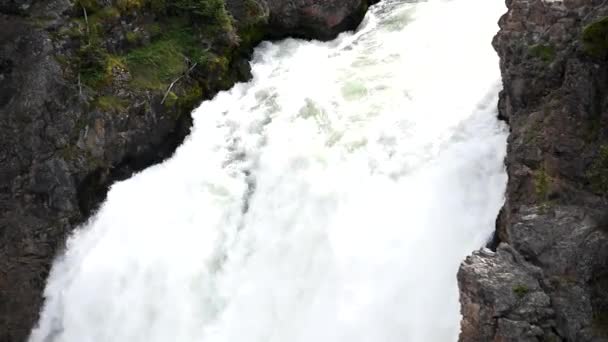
[551,229]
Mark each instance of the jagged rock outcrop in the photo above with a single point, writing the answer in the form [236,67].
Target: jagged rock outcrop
[323,19]
[86,98]
[548,277]
[317,19]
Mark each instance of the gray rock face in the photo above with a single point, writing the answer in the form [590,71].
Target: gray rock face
[548,279]
[62,143]
[504,290]
[322,19]
[311,19]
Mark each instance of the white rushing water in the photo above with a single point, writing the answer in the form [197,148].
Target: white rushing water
[330,199]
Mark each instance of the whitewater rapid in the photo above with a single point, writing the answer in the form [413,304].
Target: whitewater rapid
[329,199]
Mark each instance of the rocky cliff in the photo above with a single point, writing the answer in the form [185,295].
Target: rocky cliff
[545,276]
[94,90]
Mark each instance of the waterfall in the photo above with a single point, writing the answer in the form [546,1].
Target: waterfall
[329,199]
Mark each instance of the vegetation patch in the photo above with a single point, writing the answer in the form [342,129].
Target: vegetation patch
[521,291]
[598,173]
[91,6]
[251,34]
[210,13]
[595,38]
[180,37]
[190,97]
[541,184]
[171,99]
[133,37]
[91,64]
[111,104]
[154,66]
[544,52]
[600,323]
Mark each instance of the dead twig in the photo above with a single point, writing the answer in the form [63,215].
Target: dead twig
[177,80]
[86,20]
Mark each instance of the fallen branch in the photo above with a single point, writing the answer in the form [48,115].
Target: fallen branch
[177,80]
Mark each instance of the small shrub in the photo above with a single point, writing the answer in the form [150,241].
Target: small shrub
[171,99]
[133,37]
[598,173]
[157,6]
[90,63]
[521,291]
[595,38]
[210,14]
[544,52]
[191,97]
[541,184]
[600,323]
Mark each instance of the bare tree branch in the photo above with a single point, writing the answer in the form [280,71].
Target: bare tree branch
[86,20]
[177,80]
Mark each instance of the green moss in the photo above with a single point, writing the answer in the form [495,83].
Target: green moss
[254,9]
[155,65]
[191,97]
[595,38]
[92,59]
[96,66]
[105,15]
[91,6]
[90,62]
[175,45]
[251,34]
[130,5]
[541,184]
[600,323]
[62,60]
[544,52]
[171,99]
[211,13]
[598,173]
[69,153]
[184,100]
[157,6]
[111,104]
[73,30]
[133,37]
[154,29]
[521,291]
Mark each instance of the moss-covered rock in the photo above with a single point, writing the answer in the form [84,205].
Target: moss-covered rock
[544,52]
[111,104]
[598,173]
[595,38]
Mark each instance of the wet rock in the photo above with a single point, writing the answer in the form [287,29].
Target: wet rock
[551,229]
[311,19]
[321,19]
[502,297]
